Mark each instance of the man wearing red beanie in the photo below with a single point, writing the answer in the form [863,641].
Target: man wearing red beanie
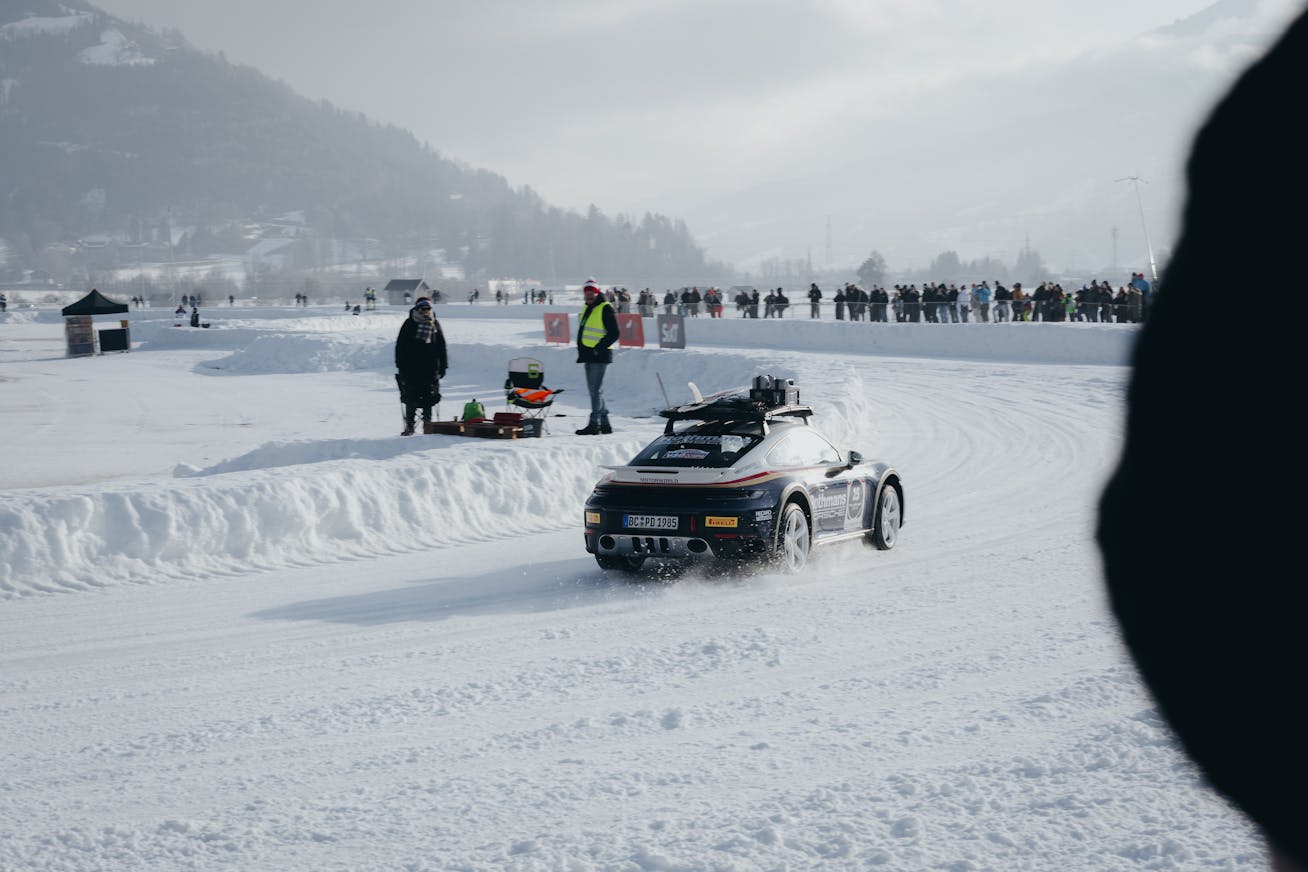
[596,334]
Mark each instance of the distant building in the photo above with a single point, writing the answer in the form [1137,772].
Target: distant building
[396,289]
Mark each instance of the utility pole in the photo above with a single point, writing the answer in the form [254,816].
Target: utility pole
[1153,266]
[1114,248]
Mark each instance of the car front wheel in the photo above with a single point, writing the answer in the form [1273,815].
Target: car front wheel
[885,527]
[793,539]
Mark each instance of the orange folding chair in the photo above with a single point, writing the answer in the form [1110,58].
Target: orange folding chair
[525,389]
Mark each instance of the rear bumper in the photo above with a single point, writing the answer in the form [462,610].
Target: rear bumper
[632,545]
[708,524]
[628,544]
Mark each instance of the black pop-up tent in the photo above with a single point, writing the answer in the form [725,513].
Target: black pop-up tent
[78,329]
[94,303]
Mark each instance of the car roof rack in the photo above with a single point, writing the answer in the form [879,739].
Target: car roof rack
[737,408]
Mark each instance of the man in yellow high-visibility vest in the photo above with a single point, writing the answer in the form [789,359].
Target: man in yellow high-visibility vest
[596,334]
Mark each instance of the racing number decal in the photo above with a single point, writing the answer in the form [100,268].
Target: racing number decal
[854,513]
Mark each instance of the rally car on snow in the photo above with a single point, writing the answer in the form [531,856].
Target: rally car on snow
[739,477]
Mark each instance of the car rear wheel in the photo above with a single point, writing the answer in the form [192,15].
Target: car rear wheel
[793,540]
[623,564]
[885,526]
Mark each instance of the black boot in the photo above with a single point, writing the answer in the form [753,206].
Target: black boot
[589,430]
[605,429]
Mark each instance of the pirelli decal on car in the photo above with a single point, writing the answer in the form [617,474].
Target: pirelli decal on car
[719,521]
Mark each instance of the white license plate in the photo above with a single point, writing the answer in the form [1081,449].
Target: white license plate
[649,522]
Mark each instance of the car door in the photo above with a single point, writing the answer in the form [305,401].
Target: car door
[828,493]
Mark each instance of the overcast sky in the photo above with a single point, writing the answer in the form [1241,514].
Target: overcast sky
[661,105]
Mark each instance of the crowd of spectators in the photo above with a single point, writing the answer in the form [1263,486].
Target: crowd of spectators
[933,303]
[953,303]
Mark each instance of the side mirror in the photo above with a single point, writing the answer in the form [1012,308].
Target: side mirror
[855,458]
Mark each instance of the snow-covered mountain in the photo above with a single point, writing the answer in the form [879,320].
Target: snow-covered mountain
[108,127]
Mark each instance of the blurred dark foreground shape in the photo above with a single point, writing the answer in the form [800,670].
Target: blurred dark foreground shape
[1201,527]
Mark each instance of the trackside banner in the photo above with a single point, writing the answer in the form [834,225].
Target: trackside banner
[672,331]
[631,330]
[556,327]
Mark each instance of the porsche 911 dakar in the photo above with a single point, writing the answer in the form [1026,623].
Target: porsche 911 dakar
[740,477]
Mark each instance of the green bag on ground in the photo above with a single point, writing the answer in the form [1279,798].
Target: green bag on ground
[472,410]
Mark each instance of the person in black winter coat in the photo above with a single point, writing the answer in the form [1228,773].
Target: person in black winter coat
[880,299]
[420,363]
[780,303]
[912,304]
[1003,301]
[1216,626]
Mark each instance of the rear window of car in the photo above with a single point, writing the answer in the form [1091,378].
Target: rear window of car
[712,450]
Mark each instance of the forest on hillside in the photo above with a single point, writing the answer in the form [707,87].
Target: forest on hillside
[176,138]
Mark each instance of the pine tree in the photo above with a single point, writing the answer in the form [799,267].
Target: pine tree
[873,271]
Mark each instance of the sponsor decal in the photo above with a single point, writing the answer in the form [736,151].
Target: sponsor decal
[593,518]
[857,490]
[763,515]
[718,521]
[686,454]
[830,499]
[696,438]
[689,439]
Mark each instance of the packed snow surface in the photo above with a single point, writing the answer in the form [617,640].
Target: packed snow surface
[245,625]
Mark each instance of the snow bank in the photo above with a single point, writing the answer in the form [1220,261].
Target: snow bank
[457,491]
[1033,342]
[293,502]
[300,502]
